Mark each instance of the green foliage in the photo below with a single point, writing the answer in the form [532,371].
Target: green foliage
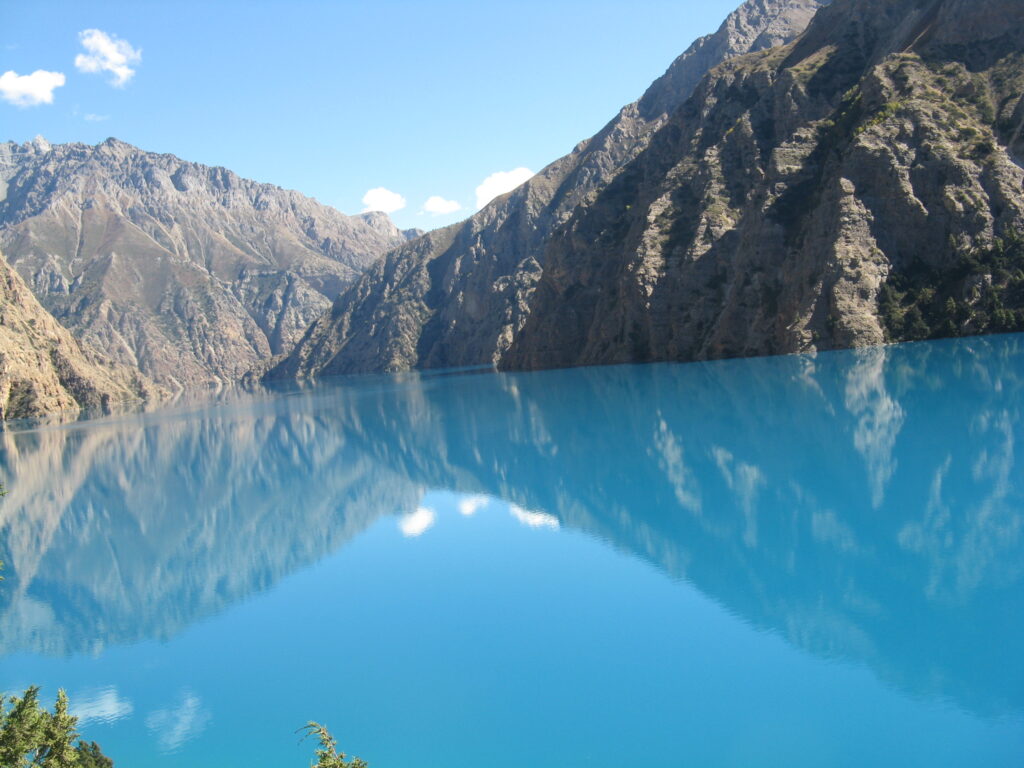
[57,749]
[90,756]
[30,736]
[982,291]
[327,754]
[885,113]
[21,729]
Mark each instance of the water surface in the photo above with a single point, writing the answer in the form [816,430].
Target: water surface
[797,561]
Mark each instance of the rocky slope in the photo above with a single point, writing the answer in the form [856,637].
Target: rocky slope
[820,194]
[43,370]
[459,296]
[187,272]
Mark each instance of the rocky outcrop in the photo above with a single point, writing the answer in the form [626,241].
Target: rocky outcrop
[186,272]
[43,370]
[764,215]
[461,295]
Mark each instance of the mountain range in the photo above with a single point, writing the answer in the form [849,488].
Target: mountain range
[461,296]
[186,272]
[858,184]
[814,175]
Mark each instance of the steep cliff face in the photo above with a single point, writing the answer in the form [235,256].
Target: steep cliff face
[187,272]
[461,295]
[43,370]
[771,213]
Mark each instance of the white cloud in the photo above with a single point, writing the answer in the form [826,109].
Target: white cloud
[95,118]
[173,727]
[533,519]
[438,206]
[106,53]
[30,90]
[103,706]
[418,522]
[469,505]
[499,183]
[381,199]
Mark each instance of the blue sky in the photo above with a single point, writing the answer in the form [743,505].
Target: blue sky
[334,99]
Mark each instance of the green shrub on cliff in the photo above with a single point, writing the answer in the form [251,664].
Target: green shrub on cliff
[981,291]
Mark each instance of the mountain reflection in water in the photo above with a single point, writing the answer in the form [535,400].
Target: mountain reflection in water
[865,506]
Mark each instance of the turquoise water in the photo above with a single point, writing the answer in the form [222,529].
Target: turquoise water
[777,562]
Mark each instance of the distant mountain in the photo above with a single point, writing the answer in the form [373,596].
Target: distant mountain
[43,370]
[858,185]
[460,295]
[189,273]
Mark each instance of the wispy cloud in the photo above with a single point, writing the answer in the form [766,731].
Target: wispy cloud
[438,206]
[176,725]
[382,199]
[418,523]
[30,90]
[107,53]
[95,118]
[499,183]
[103,706]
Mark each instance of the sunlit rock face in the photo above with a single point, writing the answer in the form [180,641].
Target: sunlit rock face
[817,497]
[44,370]
[189,273]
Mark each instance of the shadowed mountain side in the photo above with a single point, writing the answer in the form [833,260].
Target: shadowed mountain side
[896,549]
[461,296]
[189,273]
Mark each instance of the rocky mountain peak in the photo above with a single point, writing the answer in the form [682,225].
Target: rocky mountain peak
[40,145]
[754,26]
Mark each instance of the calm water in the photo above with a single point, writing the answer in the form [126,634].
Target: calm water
[779,562]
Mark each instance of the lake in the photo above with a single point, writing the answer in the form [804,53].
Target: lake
[794,561]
